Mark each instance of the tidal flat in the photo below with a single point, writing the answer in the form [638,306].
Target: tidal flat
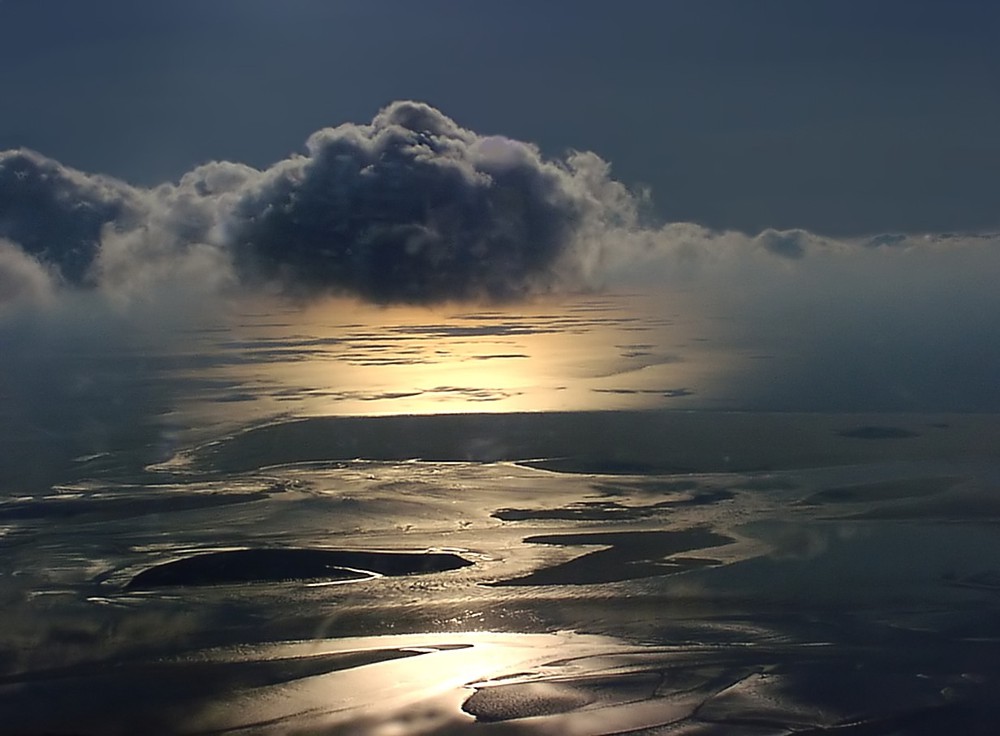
[586,573]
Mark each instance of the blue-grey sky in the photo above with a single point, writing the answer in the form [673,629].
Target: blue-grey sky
[842,117]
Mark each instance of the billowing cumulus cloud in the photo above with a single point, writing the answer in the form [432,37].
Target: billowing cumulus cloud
[410,208]
[415,208]
[56,214]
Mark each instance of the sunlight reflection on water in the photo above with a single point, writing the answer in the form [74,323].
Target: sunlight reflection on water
[612,352]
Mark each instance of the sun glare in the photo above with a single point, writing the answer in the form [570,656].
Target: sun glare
[580,353]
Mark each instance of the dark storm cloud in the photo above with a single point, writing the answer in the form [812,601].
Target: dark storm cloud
[410,208]
[414,208]
[56,214]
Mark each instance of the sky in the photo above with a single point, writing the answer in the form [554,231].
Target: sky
[844,118]
[801,195]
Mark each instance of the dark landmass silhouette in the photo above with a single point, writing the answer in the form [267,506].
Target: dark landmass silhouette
[278,565]
[629,556]
[604,442]
[611,510]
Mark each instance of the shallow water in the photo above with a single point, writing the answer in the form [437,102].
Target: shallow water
[754,592]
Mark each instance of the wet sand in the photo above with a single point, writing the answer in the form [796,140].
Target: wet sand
[636,442]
